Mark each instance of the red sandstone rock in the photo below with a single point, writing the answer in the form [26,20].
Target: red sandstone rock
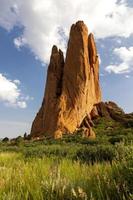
[72,88]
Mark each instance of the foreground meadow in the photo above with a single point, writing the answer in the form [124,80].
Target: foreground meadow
[37,172]
[71,168]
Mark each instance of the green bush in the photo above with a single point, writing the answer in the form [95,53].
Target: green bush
[117,139]
[6,139]
[96,154]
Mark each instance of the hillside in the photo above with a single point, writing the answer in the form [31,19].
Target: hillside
[74,167]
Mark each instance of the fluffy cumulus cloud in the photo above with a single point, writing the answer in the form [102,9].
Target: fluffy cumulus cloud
[10,94]
[47,22]
[126,65]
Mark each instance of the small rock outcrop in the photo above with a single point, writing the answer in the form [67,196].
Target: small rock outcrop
[107,110]
[72,88]
[110,110]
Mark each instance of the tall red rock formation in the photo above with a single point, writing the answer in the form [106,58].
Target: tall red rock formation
[72,87]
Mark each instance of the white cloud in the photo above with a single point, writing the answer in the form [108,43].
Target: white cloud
[126,57]
[99,57]
[19,42]
[118,69]
[11,94]
[119,41]
[22,104]
[42,19]
[17,82]
[127,76]
[125,54]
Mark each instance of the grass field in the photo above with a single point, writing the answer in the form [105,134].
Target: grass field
[50,178]
[71,168]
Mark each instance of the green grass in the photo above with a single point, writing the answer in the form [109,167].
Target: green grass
[40,171]
[70,168]
[49,178]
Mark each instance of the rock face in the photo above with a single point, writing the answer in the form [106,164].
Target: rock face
[107,110]
[110,110]
[72,87]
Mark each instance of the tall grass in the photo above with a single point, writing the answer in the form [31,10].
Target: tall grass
[64,179]
[71,168]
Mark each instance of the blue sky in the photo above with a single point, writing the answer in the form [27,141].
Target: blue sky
[28,29]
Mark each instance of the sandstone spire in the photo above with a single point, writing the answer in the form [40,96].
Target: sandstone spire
[72,87]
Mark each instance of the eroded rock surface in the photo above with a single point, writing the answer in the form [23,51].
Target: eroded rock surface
[111,111]
[72,87]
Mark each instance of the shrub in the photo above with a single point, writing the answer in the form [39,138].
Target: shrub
[19,141]
[116,139]
[6,139]
[25,136]
[96,154]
